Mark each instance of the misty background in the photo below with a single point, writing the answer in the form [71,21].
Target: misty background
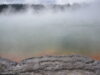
[73,31]
[43,1]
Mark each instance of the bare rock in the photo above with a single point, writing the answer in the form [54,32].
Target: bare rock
[51,65]
[6,65]
[58,65]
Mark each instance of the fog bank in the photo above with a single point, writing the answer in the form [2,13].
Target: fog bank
[73,30]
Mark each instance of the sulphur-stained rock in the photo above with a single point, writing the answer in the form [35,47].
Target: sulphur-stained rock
[56,65]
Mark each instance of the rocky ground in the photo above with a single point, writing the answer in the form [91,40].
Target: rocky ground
[51,65]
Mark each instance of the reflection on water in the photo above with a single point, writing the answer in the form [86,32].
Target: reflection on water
[50,33]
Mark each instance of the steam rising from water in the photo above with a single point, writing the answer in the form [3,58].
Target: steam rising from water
[71,30]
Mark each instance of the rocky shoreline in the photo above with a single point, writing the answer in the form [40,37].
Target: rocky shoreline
[51,65]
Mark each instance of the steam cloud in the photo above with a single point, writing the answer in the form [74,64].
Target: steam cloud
[43,1]
[71,30]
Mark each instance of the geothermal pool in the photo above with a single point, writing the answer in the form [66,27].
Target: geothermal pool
[74,30]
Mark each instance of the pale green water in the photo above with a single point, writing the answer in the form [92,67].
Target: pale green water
[75,31]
